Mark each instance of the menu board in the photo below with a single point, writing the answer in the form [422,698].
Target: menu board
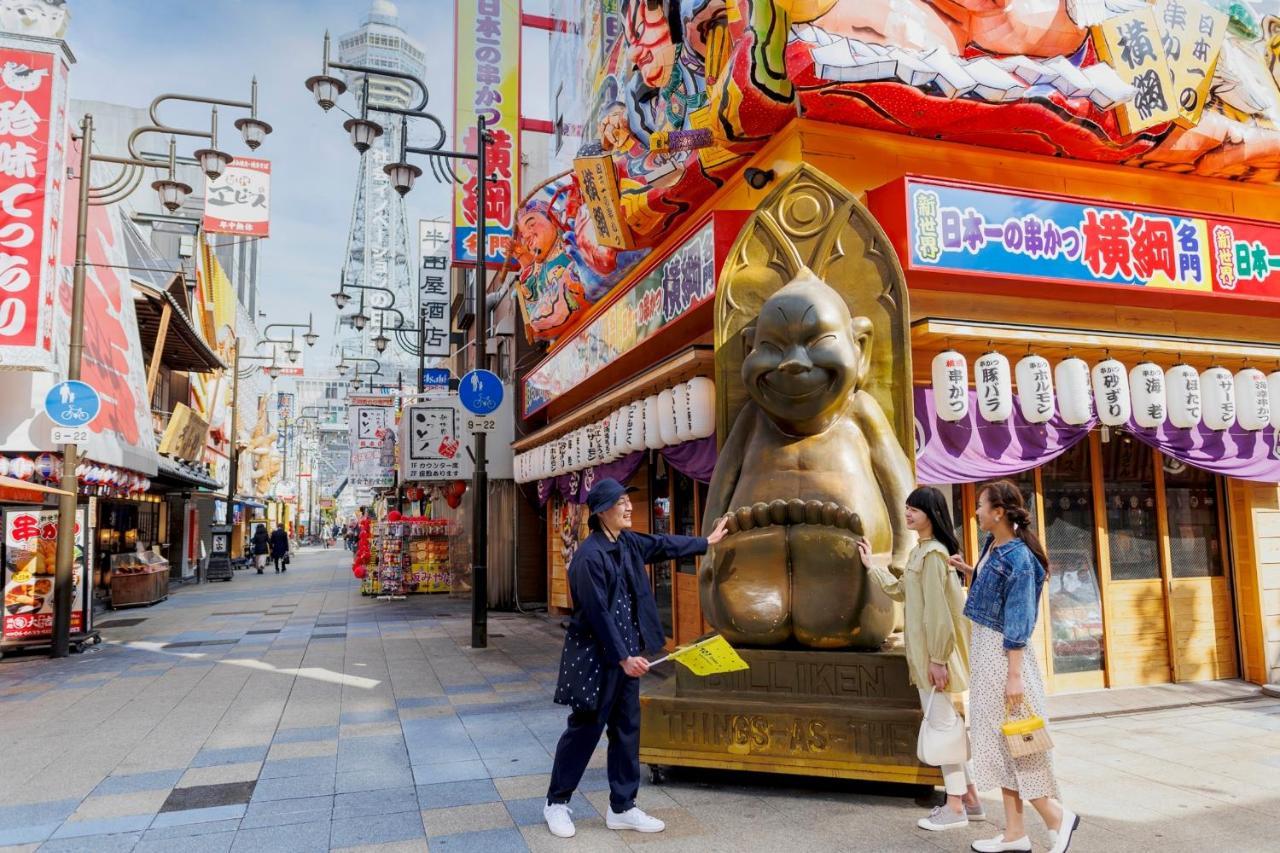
[30,557]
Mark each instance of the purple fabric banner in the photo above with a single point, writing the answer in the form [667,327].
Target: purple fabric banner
[971,450]
[1236,452]
[695,459]
[573,487]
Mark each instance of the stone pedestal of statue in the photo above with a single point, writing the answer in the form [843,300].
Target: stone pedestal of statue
[849,715]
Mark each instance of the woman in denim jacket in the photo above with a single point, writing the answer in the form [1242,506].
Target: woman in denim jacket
[1003,604]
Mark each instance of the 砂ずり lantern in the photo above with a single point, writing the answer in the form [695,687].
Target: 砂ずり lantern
[1075,397]
[950,386]
[1182,389]
[1253,400]
[1218,393]
[702,407]
[1111,392]
[1147,393]
[994,387]
[1035,388]
[667,417]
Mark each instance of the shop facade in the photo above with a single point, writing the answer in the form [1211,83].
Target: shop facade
[1033,208]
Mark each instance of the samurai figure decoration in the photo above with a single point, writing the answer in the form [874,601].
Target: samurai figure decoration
[813,373]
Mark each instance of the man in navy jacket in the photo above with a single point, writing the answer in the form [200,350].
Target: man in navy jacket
[613,606]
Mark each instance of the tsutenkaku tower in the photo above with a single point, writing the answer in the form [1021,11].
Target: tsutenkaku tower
[378,244]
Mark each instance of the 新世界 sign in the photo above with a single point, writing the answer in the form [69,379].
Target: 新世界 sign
[963,228]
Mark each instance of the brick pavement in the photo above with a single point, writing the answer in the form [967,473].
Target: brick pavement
[286,713]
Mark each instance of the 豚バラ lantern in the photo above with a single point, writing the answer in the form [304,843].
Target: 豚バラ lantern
[1253,401]
[995,388]
[1111,392]
[652,432]
[950,385]
[702,407]
[1182,387]
[1147,393]
[1075,400]
[1035,388]
[1218,393]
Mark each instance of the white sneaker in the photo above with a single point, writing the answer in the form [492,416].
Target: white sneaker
[558,820]
[1061,839]
[999,845]
[942,819]
[635,819]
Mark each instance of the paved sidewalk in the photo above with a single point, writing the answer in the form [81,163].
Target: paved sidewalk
[286,713]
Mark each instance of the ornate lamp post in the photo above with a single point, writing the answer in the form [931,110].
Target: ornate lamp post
[172,193]
[233,455]
[326,89]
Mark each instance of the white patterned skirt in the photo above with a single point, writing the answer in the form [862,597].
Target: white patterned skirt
[1031,776]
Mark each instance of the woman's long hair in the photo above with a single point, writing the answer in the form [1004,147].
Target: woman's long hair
[1004,495]
[933,504]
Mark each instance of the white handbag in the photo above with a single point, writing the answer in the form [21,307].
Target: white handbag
[937,745]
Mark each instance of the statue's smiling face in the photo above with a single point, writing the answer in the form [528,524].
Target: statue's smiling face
[804,360]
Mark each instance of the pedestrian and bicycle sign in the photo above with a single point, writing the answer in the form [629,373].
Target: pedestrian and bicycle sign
[72,406]
[480,392]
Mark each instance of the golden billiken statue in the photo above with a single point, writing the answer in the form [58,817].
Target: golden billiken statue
[810,467]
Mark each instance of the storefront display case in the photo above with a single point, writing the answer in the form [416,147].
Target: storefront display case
[138,578]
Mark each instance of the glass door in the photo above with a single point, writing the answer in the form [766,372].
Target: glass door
[661,521]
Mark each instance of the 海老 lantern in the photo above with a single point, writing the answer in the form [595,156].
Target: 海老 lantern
[1147,392]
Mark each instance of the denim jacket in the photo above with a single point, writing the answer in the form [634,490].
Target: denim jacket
[1006,592]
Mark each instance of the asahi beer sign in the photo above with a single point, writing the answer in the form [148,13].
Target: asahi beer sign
[33,133]
[239,201]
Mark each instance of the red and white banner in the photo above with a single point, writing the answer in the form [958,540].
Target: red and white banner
[33,140]
[239,201]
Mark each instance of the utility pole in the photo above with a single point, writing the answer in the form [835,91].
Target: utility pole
[480,483]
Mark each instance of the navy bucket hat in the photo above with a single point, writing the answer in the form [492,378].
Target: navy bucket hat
[605,493]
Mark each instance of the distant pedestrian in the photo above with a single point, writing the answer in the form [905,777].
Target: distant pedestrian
[261,545]
[1005,679]
[280,548]
[936,639]
[615,619]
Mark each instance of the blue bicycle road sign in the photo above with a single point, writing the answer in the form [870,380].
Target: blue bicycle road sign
[72,404]
[480,392]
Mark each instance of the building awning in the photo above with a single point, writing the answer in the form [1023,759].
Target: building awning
[173,472]
[256,503]
[28,486]
[184,349]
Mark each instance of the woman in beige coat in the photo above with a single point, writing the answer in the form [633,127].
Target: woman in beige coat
[936,638]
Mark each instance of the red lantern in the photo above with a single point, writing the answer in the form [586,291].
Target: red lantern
[359,572]
[394,515]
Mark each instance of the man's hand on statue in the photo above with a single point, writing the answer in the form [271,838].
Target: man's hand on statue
[720,530]
[635,666]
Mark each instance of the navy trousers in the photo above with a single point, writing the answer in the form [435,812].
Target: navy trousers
[619,715]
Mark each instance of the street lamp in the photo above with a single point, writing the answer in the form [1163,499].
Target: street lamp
[380,342]
[326,90]
[172,194]
[359,321]
[342,367]
[233,455]
[363,132]
[340,299]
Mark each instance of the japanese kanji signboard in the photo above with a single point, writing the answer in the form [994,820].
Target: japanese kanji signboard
[1191,37]
[487,45]
[432,442]
[33,140]
[963,228]
[30,548]
[434,293]
[1131,44]
[239,201]
[599,185]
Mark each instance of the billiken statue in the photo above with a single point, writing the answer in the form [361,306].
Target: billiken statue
[810,467]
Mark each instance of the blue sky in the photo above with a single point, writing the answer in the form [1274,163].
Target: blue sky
[129,51]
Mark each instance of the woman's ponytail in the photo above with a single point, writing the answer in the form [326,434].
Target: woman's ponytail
[1003,494]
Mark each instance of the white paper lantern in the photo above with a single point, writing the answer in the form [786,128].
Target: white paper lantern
[1147,391]
[995,388]
[667,417]
[652,433]
[684,427]
[1273,393]
[1075,398]
[1182,387]
[950,385]
[612,431]
[580,436]
[1218,391]
[702,407]
[1253,400]
[1035,388]
[1111,392]
[635,425]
